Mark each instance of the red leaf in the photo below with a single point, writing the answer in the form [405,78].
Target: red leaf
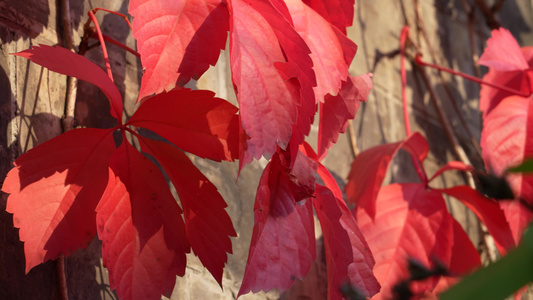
[337,110]
[489,212]
[66,62]
[503,52]
[507,139]
[283,240]
[141,228]
[369,169]
[348,256]
[410,222]
[518,216]
[508,65]
[177,40]
[207,224]
[339,13]
[194,121]
[270,104]
[329,62]
[55,188]
[465,257]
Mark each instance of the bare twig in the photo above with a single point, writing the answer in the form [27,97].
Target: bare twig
[70,101]
[353,140]
[488,13]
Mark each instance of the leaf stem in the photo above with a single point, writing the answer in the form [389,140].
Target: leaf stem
[420,62]
[115,13]
[403,39]
[101,39]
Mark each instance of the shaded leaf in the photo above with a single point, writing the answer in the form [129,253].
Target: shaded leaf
[55,58]
[54,189]
[177,40]
[194,121]
[518,217]
[283,241]
[489,212]
[207,223]
[141,228]
[337,110]
[339,13]
[348,257]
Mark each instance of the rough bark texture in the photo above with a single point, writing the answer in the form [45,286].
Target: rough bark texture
[32,104]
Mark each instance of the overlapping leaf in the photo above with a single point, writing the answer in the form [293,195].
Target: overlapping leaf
[339,13]
[337,110]
[177,40]
[283,241]
[508,65]
[207,224]
[195,121]
[265,53]
[141,228]
[347,254]
[54,189]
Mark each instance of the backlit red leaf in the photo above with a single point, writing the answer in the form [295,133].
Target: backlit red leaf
[507,139]
[410,222]
[194,121]
[207,223]
[55,188]
[337,110]
[283,241]
[503,52]
[329,63]
[348,257]
[339,13]
[177,40]
[369,169]
[270,102]
[66,62]
[141,228]
[489,212]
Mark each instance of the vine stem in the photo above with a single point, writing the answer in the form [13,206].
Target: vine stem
[403,39]
[101,39]
[420,62]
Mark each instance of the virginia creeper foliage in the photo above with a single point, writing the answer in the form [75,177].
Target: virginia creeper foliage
[87,182]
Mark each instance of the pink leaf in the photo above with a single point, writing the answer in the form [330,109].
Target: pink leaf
[283,241]
[207,224]
[507,139]
[270,102]
[177,40]
[503,52]
[369,169]
[337,110]
[348,258]
[489,212]
[55,188]
[410,222]
[194,121]
[141,228]
[66,62]
[339,13]
[519,80]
